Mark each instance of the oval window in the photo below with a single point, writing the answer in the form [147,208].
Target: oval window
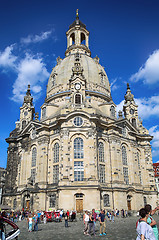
[78,121]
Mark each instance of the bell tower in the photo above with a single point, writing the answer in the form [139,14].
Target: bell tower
[130,108]
[27,110]
[77,38]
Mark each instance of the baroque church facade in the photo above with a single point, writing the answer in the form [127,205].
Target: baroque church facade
[79,155]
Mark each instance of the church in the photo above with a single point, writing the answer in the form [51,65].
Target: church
[79,153]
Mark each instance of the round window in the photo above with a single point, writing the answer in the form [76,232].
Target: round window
[78,121]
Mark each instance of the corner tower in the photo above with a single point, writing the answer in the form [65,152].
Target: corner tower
[27,110]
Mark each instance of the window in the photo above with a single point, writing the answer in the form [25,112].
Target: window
[52,201]
[34,156]
[106,200]
[101,173]
[72,39]
[82,38]
[44,112]
[124,156]
[79,195]
[138,159]
[56,152]
[23,124]
[145,201]
[78,99]
[55,173]
[53,78]
[78,171]
[112,111]
[33,172]
[14,203]
[126,177]
[101,152]
[78,121]
[140,177]
[134,122]
[78,148]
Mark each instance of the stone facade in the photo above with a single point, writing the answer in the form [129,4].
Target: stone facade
[79,155]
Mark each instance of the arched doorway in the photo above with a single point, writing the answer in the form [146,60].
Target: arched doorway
[79,202]
[26,201]
[129,197]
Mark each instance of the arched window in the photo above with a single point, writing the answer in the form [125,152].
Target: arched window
[101,152]
[72,39]
[124,156]
[78,99]
[106,200]
[112,111]
[83,38]
[56,152]
[78,148]
[44,112]
[23,124]
[34,156]
[134,122]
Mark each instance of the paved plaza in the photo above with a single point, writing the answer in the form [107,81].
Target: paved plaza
[122,228]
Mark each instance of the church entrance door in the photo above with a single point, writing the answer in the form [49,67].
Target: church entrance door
[28,204]
[79,205]
[129,204]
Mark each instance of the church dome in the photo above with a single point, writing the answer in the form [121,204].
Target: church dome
[93,72]
[78,63]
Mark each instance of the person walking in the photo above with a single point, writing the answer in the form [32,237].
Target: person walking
[91,224]
[95,216]
[66,219]
[30,222]
[143,229]
[86,220]
[36,223]
[102,223]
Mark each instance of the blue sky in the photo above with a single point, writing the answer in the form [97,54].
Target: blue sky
[124,34]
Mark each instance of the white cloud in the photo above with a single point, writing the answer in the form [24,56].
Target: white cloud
[36,38]
[114,86]
[149,72]
[7,59]
[120,106]
[147,107]
[31,70]
[154,131]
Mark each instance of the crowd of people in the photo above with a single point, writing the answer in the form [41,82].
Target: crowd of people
[146,226]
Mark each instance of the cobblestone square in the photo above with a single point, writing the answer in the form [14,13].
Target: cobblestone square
[122,228]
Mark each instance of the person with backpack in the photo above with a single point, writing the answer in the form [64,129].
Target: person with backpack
[150,219]
[144,230]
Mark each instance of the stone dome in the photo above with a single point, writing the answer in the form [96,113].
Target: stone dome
[93,72]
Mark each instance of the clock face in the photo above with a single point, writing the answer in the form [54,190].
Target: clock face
[25,113]
[77,86]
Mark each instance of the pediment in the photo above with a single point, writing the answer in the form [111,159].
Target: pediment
[33,125]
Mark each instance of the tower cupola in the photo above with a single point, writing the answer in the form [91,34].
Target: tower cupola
[77,38]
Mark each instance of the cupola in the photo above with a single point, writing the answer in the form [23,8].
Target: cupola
[77,38]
